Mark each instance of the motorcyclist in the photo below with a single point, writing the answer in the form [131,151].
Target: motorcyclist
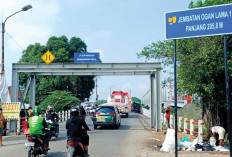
[37,125]
[43,113]
[51,115]
[74,129]
[82,112]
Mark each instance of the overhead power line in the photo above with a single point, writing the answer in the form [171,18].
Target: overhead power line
[11,37]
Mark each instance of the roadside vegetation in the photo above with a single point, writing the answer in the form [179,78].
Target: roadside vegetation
[63,49]
[99,102]
[200,68]
[61,100]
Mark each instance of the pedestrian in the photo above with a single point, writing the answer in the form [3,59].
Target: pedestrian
[220,131]
[167,115]
[2,119]
[82,112]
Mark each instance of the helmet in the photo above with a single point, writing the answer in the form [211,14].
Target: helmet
[37,111]
[74,112]
[43,110]
[77,107]
[50,108]
[169,106]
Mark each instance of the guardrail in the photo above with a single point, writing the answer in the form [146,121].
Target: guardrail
[185,129]
[64,115]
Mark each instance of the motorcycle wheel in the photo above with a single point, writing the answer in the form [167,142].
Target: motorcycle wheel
[70,152]
[32,154]
[29,154]
[56,135]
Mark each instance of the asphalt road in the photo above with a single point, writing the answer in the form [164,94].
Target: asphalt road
[130,140]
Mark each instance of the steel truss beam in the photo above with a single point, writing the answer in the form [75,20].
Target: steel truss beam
[93,69]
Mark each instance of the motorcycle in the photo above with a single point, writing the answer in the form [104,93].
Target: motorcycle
[91,112]
[75,148]
[35,146]
[52,129]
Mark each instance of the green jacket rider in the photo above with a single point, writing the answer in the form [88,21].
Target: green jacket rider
[36,123]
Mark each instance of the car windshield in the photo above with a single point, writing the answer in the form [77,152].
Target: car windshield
[88,105]
[105,110]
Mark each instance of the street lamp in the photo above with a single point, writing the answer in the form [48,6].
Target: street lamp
[25,8]
[110,90]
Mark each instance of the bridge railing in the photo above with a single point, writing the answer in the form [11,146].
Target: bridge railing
[188,125]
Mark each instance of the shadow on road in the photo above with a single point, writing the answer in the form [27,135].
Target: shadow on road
[131,116]
[56,154]
[59,138]
[122,127]
[106,128]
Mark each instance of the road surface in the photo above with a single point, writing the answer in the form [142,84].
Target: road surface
[130,140]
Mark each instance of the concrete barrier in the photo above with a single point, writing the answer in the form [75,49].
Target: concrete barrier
[146,112]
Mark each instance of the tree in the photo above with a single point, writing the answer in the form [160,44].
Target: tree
[63,49]
[136,100]
[61,100]
[200,68]
[100,102]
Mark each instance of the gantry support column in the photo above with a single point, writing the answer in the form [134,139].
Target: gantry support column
[15,86]
[158,100]
[11,125]
[153,116]
[32,91]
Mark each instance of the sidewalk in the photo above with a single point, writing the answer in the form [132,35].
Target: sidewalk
[158,139]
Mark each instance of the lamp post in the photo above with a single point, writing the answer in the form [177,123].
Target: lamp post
[25,8]
[110,89]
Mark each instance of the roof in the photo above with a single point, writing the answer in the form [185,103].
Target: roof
[106,106]
[19,95]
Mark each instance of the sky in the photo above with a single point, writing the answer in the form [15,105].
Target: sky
[117,29]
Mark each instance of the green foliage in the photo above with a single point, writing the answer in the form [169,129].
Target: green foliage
[65,103]
[145,106]
[200,68]
[100,102]
[136,100]
[63,49]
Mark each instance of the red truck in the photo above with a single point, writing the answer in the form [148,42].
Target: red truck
[121,100]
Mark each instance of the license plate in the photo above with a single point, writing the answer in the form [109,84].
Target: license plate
[31,144]
[104,116]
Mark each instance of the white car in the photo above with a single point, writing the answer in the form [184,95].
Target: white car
[88,107]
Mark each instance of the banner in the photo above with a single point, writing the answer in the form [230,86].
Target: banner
[84,57]
[4,92]
[11,110]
